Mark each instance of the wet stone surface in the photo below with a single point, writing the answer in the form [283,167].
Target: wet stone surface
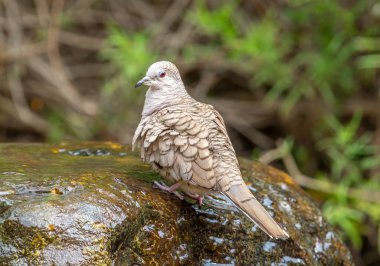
[93,204]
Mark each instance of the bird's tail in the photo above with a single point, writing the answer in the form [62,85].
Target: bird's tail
[248,204]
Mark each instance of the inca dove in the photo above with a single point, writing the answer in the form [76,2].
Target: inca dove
[187,142]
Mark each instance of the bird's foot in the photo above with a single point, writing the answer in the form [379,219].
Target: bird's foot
[196,197]
[172,189]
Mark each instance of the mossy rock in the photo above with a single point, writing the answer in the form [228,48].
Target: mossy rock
[93,204]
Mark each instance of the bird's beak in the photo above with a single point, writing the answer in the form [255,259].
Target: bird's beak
[142,82]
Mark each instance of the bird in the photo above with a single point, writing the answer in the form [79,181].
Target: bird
[186,141]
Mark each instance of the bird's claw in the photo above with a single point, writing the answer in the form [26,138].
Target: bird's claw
[196,197]
[172,189]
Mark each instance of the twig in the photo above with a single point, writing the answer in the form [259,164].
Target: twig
[65,90]
[81,41]
[53,37]
[254,135]
[22,111]
[272,155]
[42,10]
[208,79]
[86,70]
[315,184]
[173,13]
[178,39]
[247,118]
[132,7]
[22,52]
[32,121]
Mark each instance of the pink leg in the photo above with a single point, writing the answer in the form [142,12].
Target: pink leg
[196,197]
[200,200]
[171,189]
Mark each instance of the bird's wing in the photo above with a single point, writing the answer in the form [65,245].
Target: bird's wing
[176,140]
[138,133]
[232,185]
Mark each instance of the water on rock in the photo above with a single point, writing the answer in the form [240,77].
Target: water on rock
[93,204]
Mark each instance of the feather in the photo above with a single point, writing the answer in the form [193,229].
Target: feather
[190,152]
[248,204]
[202,144]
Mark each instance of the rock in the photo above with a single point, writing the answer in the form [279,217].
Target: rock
[93,204]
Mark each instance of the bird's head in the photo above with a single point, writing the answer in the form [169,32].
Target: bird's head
[161,75]
[165,87]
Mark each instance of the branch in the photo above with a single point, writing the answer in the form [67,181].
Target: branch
[64,88]
[315,184]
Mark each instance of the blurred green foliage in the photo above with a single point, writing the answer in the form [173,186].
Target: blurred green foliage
[307,50]
[302,51]
[130,56]
[350,158]
[340,212]
[352,154]
[132,48]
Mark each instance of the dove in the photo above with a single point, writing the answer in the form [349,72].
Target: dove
[186,141]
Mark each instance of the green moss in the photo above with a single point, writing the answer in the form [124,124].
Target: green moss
[71,162]
[29,241]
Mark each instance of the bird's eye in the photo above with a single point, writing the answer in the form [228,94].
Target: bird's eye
[162,74]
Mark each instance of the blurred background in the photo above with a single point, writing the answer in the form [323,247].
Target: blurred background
[297,82]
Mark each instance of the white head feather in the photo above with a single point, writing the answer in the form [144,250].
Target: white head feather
[165,86]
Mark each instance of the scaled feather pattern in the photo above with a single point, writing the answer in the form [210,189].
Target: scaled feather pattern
[187,142]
